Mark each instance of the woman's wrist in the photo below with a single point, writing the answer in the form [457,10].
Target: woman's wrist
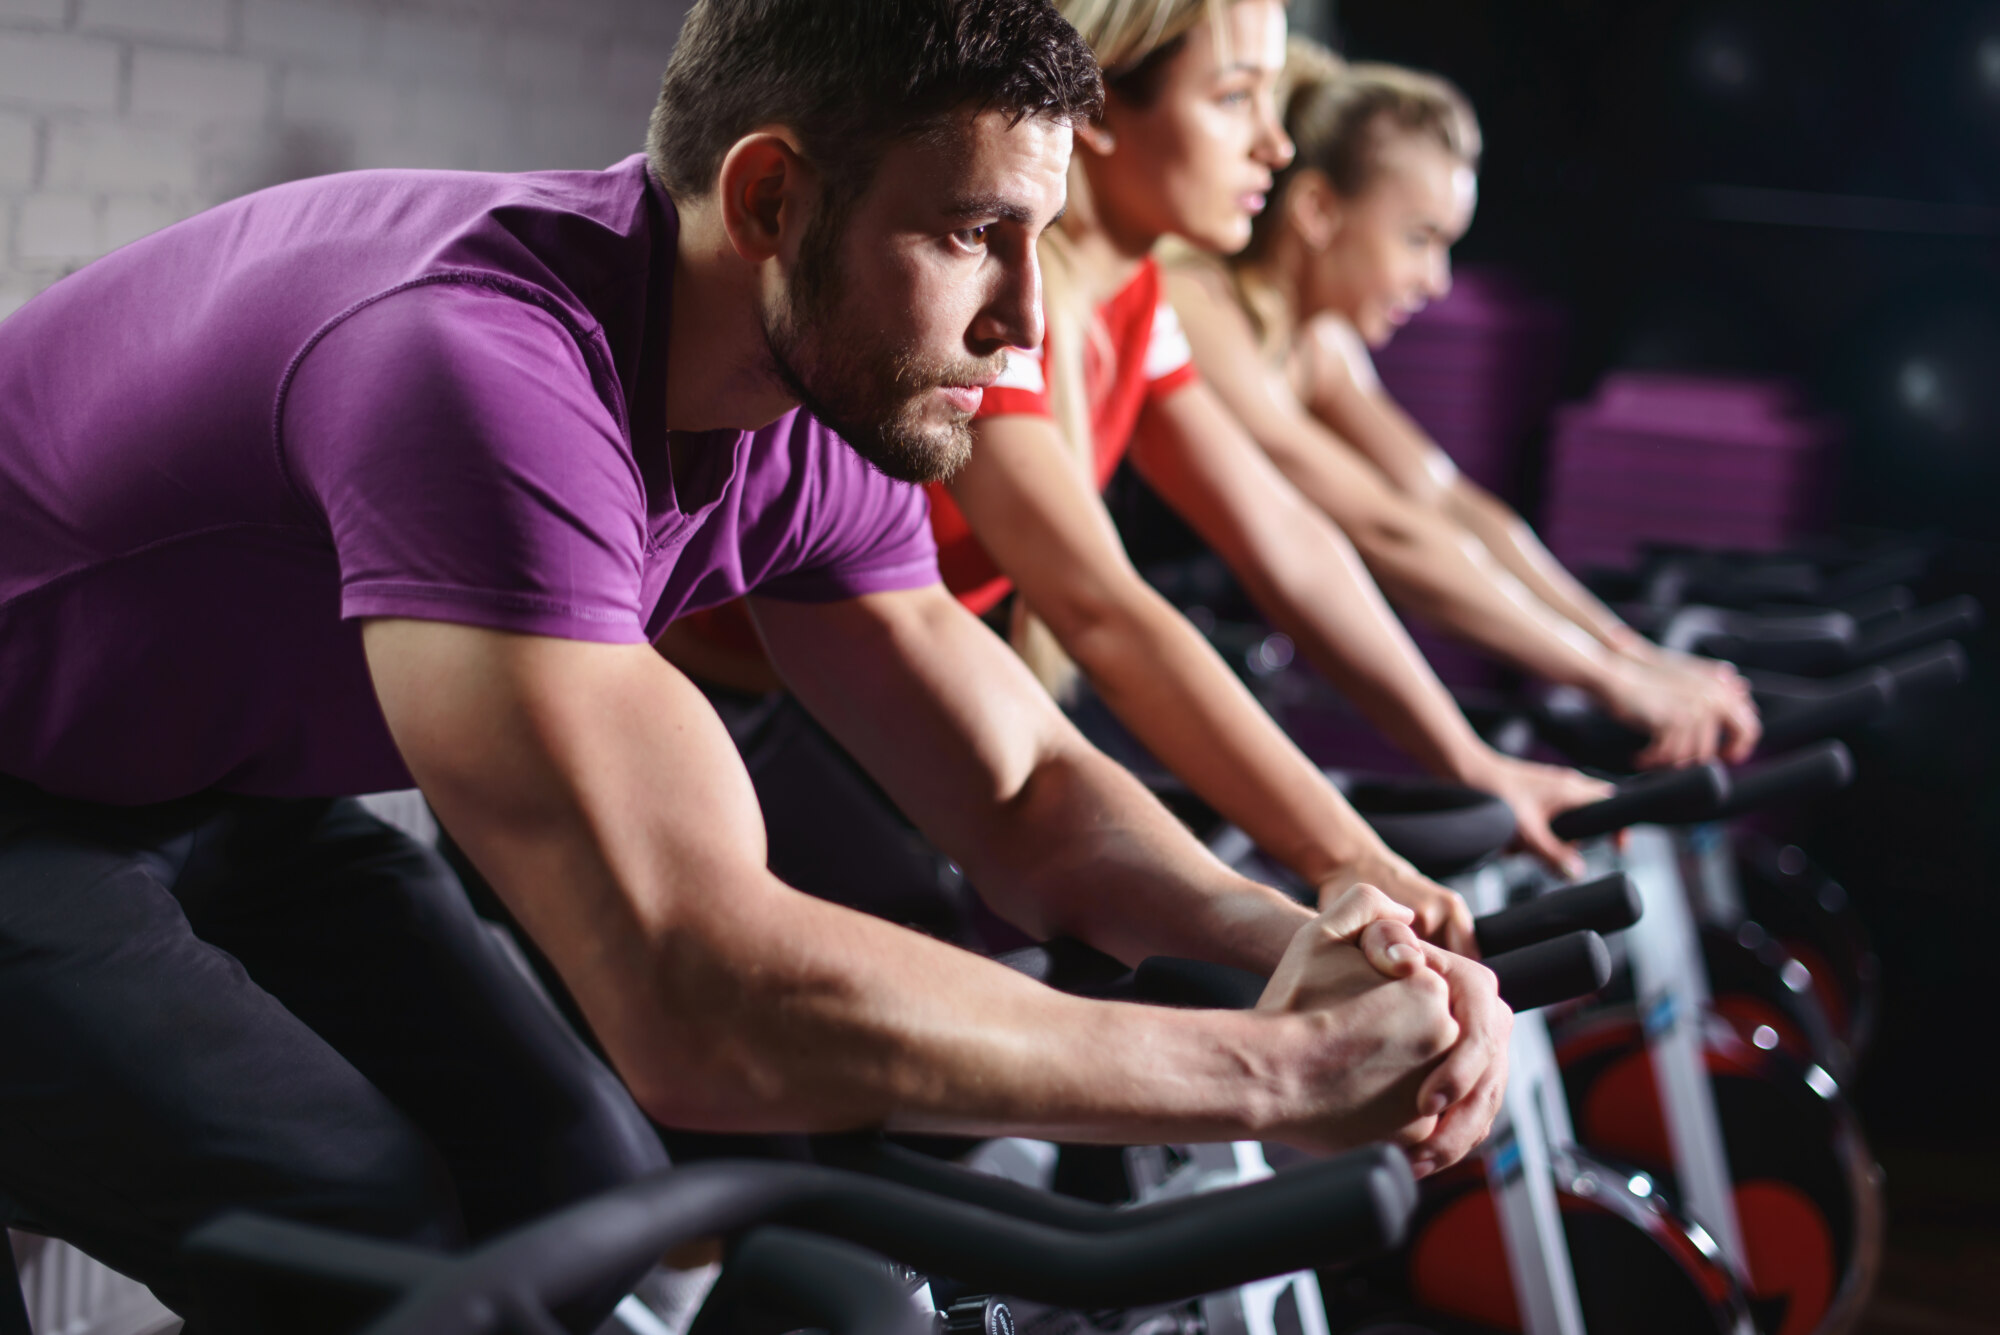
[1622,640]
[1482,769]
[1620,678]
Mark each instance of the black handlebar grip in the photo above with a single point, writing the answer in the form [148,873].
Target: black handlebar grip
[1166,981]
[1667,797]
[1858,696]
[1560,970]
[1847,700]
[1928,625]
[1936,667]
[1607,904]
[1825,767]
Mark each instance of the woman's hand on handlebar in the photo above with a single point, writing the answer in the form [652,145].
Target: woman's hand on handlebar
[1440,915]
[1536,794]
[1691,665]
[1641,650]
[1690,716]
[1405,1041]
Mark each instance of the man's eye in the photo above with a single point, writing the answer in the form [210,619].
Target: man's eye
[972,238]
[1235,97]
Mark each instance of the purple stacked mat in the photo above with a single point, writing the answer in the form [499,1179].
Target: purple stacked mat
[1680,459]
[1479,371]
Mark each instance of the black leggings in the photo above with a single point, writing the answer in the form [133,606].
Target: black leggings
[285,1006]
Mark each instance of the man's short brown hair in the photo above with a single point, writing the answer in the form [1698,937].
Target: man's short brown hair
[851,77]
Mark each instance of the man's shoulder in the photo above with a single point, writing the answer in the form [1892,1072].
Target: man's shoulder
[800,460]
[457,329]
[609,192]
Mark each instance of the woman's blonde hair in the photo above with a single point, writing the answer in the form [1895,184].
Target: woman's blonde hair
[1133,40]
[1340,118]
[1127,34]
[1340,115]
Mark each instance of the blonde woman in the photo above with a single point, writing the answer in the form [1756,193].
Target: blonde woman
[1188,146]
[1356,241]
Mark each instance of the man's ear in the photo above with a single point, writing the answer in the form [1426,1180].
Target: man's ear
[1314,208]
[1095,136]
[766,190]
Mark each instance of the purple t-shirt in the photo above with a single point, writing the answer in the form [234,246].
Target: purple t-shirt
[417,394]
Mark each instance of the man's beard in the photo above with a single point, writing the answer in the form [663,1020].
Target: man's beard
[871,391]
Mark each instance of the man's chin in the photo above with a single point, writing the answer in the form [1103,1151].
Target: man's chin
[901,443]
[935,458]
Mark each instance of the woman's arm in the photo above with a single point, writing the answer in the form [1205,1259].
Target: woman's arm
[1425,562]
[1303,574]
[1344,393]
[1342,390]
[1439,569]
[1049,532]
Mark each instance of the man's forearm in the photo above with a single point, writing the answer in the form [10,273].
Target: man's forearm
[761,1009]
[1085,851]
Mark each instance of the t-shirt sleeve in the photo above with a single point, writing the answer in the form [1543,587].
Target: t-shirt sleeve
[468,470]
[1169,358]
[860,532]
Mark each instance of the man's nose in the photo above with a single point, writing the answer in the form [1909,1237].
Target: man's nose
[1013,316]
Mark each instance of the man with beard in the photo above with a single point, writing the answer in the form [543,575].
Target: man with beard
[396,475]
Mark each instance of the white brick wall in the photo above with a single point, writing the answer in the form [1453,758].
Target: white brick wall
[200,22]
[118,117]
[57,71]
[309,32]
[17,151]
[115,155]
[197,87]
[33,11]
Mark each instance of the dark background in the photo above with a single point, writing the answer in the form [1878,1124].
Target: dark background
[1809,188]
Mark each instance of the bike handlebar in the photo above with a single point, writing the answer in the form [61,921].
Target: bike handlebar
[1560,969]
[1331,1210]
[1927,625]
[1607,904]
[1662,798]
[1824,767]
[1802,711]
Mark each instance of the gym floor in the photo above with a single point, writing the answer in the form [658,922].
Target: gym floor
[1941,1271]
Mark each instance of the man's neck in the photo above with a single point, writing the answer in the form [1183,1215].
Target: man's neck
[718,366]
